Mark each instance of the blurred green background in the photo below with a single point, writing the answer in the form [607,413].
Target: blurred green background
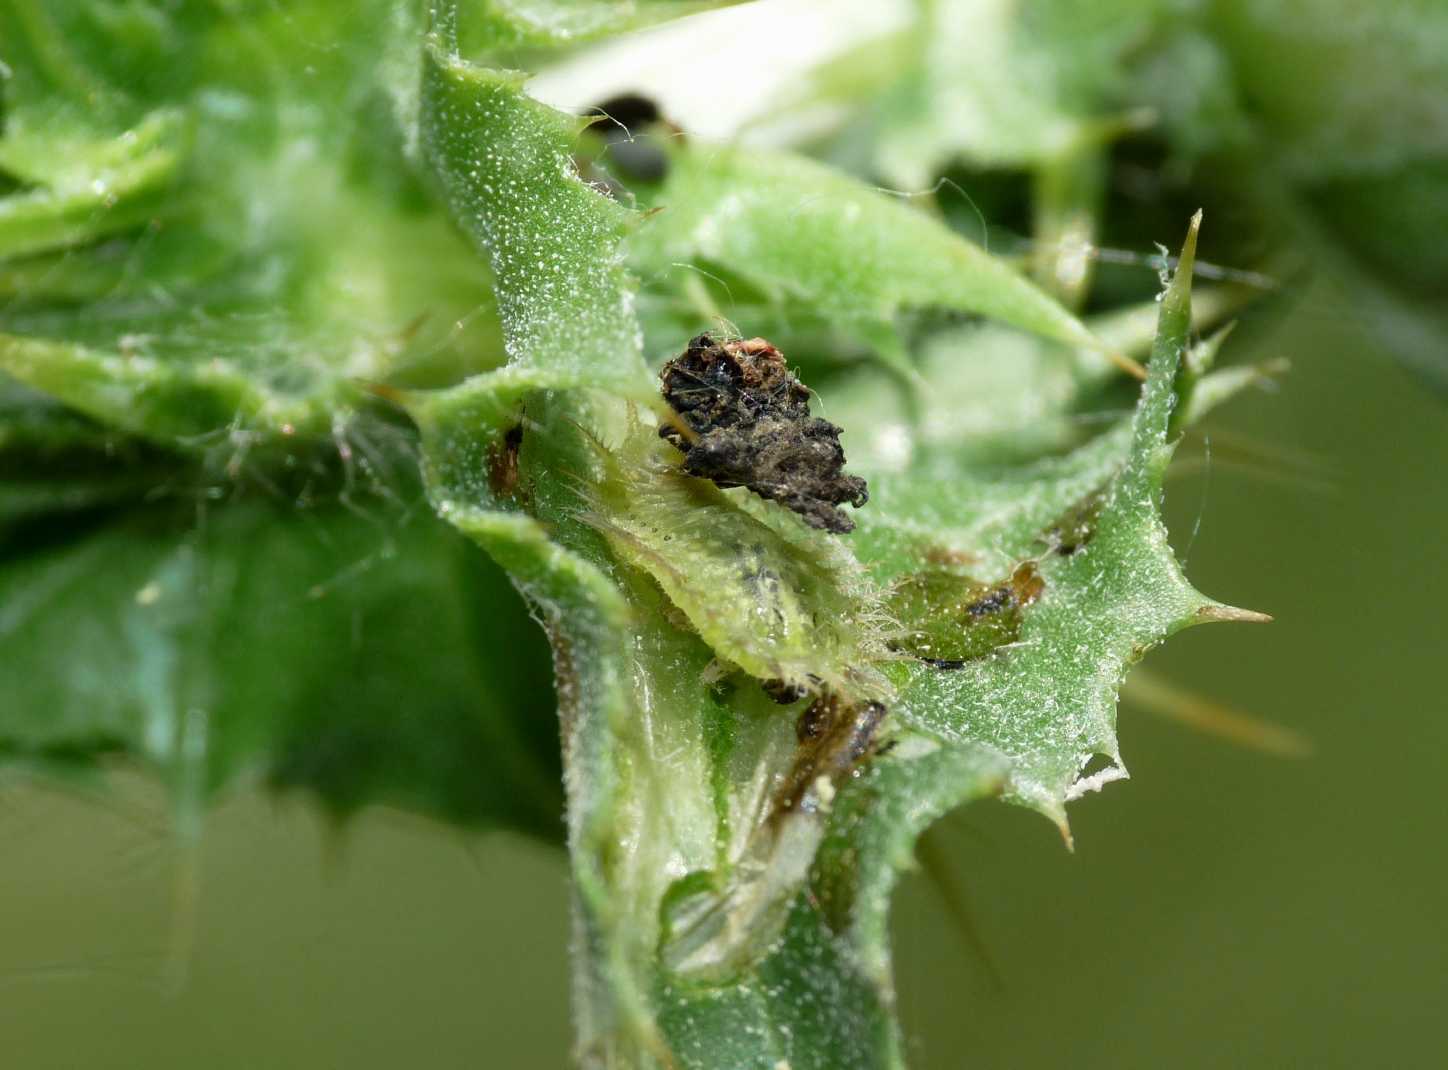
[1223,907]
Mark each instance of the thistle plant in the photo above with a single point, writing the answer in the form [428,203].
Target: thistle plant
[322,342]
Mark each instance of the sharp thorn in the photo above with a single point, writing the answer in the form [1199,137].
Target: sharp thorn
[1215,611]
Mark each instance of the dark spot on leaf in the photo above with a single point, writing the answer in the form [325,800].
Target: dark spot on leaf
[991,602]
[1077,526]
[950,619]
[744,422]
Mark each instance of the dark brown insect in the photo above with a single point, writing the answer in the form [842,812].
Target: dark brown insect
[835,736]
[503,463]
[744,421]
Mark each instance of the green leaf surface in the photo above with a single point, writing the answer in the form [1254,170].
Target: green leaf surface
[780,602]
[808,236]
[361,658]
[821,998]
[494,24]
[999,397]
[1012,719]
[55,462]
[154,398]
[505,163]
[174,265]
[1048,701]
[107,185]
[565,304]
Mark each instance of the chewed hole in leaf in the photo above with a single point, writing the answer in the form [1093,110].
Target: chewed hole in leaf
[947,618]
[1099,770]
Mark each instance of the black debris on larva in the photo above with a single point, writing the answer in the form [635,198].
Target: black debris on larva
[744,422]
